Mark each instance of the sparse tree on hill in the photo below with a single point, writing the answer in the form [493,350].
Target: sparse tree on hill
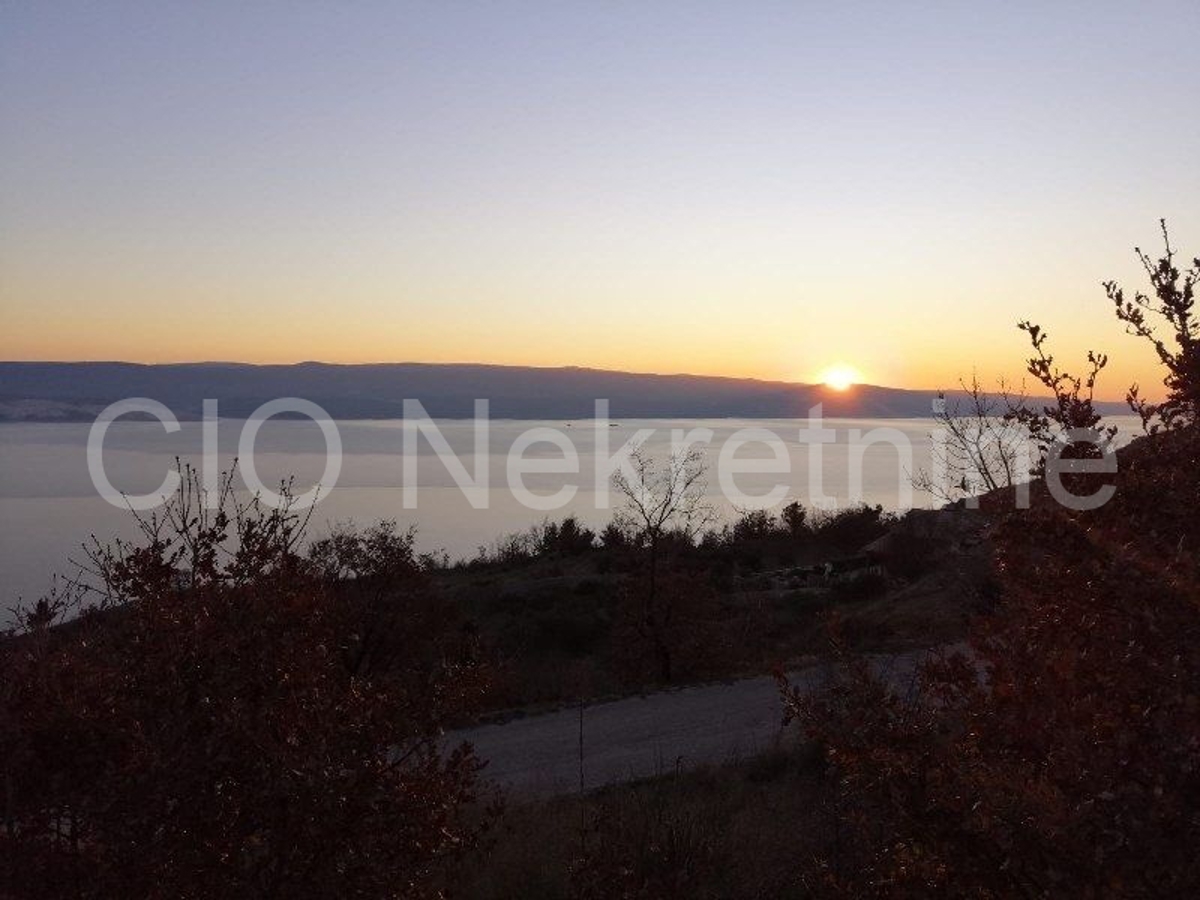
[975,450]
[663,504]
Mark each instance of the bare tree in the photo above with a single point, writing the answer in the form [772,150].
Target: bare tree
[975,449]
[663,504]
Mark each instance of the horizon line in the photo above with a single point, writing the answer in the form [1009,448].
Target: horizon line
[485,365]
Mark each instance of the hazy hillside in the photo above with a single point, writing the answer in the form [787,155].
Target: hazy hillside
[77,391]
[31,391]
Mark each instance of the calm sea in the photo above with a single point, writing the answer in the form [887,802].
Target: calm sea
[49,505]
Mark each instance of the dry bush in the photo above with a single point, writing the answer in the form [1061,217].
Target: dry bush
[235,719]
[679,632]
[1069,768]
[1060,755]
[1174,296]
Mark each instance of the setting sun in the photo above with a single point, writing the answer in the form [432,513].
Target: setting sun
[840,377]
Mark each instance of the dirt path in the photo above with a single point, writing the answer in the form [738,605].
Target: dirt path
[638,737]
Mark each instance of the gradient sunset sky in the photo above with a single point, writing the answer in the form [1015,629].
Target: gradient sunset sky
[757,189]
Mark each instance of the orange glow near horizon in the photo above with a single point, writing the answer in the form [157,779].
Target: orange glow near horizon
[913,327]
[761,196]
[921,361]
[841,377]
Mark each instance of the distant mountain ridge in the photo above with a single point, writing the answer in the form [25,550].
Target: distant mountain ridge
[60,391]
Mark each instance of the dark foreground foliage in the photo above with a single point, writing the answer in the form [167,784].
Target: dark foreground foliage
[739,832]
[235,719]
[1058,755]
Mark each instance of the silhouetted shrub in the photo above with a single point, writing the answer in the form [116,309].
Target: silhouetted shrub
[851,528]
[566,538]
[1056,429]
[1173,302]
[754,525]
[544,540]
[794,518]
[616,536]
[910,554]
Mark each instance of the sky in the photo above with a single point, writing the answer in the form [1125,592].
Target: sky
[755,189]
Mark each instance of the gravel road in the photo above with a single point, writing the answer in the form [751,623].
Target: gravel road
[638,737]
